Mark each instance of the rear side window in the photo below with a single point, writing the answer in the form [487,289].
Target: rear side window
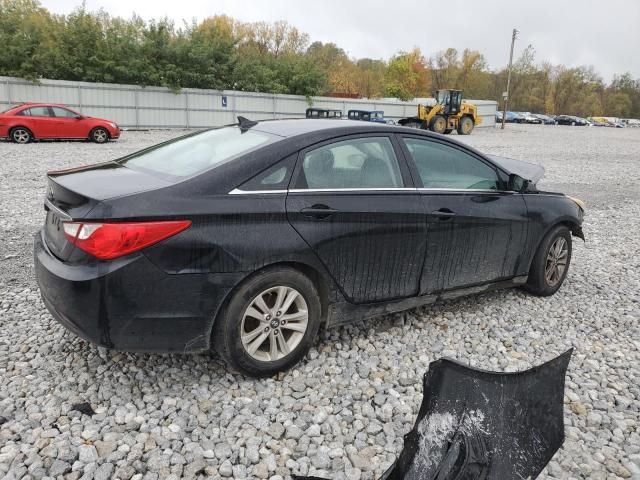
[441,166]
[38,112]
[368,162]
[273,178]
[196,153]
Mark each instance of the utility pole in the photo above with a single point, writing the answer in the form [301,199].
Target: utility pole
[514,35]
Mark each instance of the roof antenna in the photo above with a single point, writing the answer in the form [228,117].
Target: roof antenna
[245,124]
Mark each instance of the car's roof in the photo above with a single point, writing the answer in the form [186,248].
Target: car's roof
[303,126]
[40,104]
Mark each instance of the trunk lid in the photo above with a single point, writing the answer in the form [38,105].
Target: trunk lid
[73,193]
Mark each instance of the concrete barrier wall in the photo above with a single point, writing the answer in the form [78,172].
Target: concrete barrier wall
[159,107]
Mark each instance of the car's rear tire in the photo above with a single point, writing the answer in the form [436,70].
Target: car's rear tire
[550,263]
[257,338]
[438,124]
[99,135]
[21,135]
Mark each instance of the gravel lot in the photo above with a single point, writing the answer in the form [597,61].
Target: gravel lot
[343,411]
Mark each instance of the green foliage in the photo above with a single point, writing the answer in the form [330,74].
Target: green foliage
[406,76]
[222,53]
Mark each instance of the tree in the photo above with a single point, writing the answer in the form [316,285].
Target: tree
[370,77]
[223,53]
[407,76]
[27,37]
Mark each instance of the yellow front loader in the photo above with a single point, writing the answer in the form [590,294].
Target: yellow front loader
[448,114]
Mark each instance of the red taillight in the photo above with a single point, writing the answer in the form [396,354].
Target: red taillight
[107,241]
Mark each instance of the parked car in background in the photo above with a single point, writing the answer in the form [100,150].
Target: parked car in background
[249,238]
[598,122]
[323,113]
[498,116]
[41,121]
[528,117]
[376,116]
[545,119]
[571,120]
[513,117]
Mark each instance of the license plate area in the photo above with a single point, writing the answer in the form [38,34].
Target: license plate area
[54,236]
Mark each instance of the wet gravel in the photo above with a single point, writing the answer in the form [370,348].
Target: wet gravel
[343,411]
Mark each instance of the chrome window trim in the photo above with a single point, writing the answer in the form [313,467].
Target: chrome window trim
[238,191]
[463,190]
[363,189]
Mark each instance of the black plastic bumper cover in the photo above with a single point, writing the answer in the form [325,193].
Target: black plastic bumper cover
[479,425]
[130,304]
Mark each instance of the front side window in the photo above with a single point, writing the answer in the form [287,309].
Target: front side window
[63,113]
[196,153]
[441,166]
[357,163]
[39,112]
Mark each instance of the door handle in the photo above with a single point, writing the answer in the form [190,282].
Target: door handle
[443,214]
[318,211]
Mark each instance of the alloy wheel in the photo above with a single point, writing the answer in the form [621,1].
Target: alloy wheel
[556,261]
[21,135]
[274,323]
[100,136]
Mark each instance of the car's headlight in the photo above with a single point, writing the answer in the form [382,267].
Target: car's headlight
[113,125]
[580,203]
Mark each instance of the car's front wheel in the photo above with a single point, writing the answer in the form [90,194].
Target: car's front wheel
[21,135]
[551,263]
[270,322]
[99,135]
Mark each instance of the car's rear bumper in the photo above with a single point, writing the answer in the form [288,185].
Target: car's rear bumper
[129,304]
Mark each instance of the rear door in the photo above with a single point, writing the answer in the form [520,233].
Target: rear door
[67,125]
[353,202]
[41,122]
[477,231]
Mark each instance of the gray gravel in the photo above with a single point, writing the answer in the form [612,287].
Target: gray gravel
[343,411]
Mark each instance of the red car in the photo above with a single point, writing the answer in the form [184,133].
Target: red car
[29,121]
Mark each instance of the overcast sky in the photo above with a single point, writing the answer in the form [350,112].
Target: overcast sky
[602,33]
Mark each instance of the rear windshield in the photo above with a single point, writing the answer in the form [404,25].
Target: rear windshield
[196,153]
[11,108]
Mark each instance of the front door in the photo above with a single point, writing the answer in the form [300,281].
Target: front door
[476,231]
[67,123]
[352,201]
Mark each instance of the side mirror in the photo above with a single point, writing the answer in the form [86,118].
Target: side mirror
[79,117]
[517,183]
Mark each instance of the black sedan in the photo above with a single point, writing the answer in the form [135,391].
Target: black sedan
[571,120]
[248,238]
